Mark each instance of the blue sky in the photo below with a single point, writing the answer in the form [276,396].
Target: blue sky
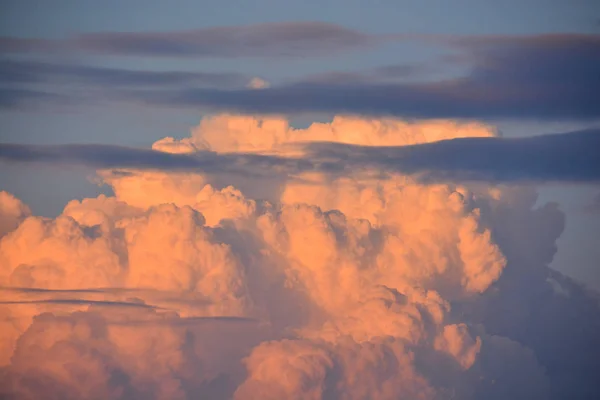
[37,18]
[125,123]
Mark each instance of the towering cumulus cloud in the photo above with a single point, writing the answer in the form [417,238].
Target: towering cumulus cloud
[361,285]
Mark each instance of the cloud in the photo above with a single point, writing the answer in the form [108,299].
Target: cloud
[296,370]
[547,77]
[258,83]
[565,157]
[378,75]
[12,212]
[10,44]
[18,98]
[593,206]
[79,302]
[71,291]
[284,39]
[23,72]
[550,77]
[554,157]
[118,361]
[337,286]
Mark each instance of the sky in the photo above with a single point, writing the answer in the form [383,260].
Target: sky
[218,171]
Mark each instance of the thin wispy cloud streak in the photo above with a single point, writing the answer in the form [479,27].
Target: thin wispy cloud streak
[32,290]
[191,321]
[21,98]
[566,157]
[26,72]
[284,39]
[389,73]
[81,302]
[13,44]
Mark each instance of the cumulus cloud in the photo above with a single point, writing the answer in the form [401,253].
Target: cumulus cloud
[343,286]
[12,212]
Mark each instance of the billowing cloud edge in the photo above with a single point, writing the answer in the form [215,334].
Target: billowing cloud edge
[348,287]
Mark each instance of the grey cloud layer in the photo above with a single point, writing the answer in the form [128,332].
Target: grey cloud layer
[547,77]
[567,157]
[554,157]
[272,39]
[18,72]
[593,206]
[539,77]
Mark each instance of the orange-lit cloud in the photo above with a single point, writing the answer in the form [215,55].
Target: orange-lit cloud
[12,212]
[352,287]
